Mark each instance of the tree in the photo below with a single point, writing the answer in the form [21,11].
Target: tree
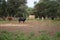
[41,9]
[53,8]
[3,8]
[16,7]
[48,9]
[30,11]
[12,8]
[44,0]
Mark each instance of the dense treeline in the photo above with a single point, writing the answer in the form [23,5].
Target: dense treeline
[47,8]
[14,8]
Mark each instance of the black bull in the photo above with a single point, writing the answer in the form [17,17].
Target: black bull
[22,19]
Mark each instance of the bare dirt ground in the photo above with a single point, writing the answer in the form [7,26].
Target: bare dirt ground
[32,26]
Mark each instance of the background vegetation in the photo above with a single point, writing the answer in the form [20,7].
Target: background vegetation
[18,8]
[5,35]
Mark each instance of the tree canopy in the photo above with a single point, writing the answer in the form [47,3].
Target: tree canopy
[47,9]
[12,7]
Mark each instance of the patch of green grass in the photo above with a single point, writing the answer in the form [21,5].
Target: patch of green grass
[42,31]
[4,35]
[43,37]
[57,34]
[31,35]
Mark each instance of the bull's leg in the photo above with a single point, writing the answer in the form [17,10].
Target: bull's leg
[23,21]
[19,21]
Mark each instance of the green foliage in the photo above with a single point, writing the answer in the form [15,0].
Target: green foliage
[3,8]
[20,36]
[57,34]
[47,9]
[43,37]
[5,35]
[12,8]
[31,35]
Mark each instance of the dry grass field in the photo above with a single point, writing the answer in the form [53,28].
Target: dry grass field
[32,25]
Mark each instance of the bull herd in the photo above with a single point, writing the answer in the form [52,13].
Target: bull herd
[20,19]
